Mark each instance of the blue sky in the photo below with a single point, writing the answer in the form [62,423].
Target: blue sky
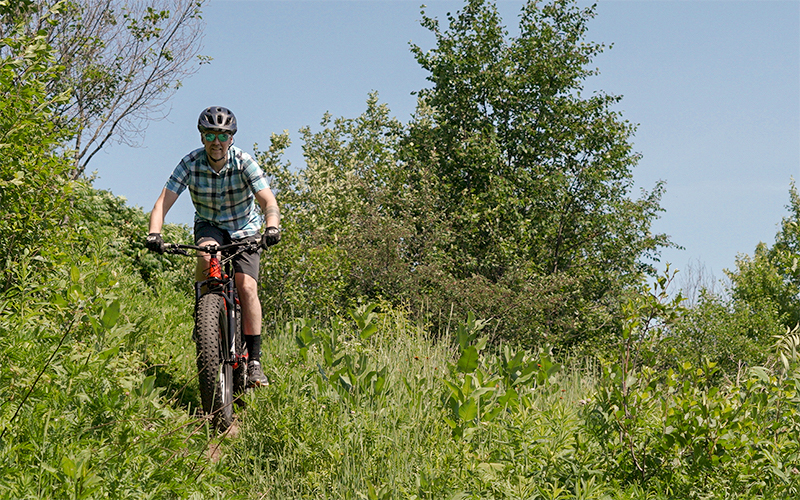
[714,86]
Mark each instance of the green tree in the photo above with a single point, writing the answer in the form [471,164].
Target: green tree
[737,326]
[535,177]
[728,333]
[33,174]
[770,278]
[337,212]
[121,61]
[508,194]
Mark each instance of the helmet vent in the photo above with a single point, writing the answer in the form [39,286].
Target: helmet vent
[219,118]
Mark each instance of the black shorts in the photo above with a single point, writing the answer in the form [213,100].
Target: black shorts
[245,262]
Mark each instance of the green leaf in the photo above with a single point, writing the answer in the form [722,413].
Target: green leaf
[147,386]
[97,327]
[380,380]
[369,331]
[509,398]
[468,361]
[468,411]
[59,301]
[455,390]
[304,337]
[69,467]
[760,372]
[345,382]
[481,391]
[491,414]
[74,274]
[111,315]
[108,353]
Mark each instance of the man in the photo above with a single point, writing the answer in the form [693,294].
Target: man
[225,183]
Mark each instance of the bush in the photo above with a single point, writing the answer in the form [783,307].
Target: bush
[728,334]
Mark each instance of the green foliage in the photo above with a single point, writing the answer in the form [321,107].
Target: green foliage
[353,377]
[727,333]
[34,191]
[362,405]
[686,432]
[83,414]
[700,440]
[328,254]
[82,417]
[505,199]
[770,279]
[732,331]
[507,195]
[312,435]
[534,177]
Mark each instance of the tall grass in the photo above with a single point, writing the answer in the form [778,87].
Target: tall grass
[98,399]
[85,412]
[300,438]
[504,425]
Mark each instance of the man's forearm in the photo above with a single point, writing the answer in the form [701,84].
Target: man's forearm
[160,209]
[272,216]
[156,219]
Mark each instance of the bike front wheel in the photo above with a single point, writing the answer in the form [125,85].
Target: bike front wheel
[215,377]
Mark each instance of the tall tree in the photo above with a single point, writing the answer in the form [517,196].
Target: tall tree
[33,173]
[536,176]
[508,193]
[121,61]
[532,169]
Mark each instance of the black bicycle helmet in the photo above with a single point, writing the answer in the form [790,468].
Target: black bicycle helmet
[217,118]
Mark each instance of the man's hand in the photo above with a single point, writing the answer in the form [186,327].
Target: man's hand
[271,236]
[155,243]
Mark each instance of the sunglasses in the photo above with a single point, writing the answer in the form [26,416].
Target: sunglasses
[222,136]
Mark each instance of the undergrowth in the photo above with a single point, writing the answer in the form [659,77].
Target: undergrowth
[98,399]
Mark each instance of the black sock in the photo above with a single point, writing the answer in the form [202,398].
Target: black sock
[253,347]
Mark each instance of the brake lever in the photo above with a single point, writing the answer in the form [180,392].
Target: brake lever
[174,249]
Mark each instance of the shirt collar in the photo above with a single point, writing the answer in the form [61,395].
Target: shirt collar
[224,167]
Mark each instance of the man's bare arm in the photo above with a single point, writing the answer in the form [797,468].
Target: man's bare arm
[269,206]
[160,209]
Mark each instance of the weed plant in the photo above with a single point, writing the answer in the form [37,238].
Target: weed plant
[92,362]
[349,415]
[98,398]
[370,407]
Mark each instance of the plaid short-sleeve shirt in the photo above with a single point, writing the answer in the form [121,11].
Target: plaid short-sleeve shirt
[226,198]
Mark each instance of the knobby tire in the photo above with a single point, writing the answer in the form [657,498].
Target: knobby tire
[215,377]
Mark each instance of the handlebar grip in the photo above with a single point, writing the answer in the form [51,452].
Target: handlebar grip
[174,248]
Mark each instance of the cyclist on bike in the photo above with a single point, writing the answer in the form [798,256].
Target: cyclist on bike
[225,183]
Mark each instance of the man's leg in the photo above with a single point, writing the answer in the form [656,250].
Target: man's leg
[251,306]
[203,259]
[251,326]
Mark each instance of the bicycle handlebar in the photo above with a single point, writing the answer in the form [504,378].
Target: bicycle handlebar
[212,248]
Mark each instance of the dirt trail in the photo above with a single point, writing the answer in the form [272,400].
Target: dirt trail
[214,452]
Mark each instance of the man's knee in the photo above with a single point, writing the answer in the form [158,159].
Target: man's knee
[246,284]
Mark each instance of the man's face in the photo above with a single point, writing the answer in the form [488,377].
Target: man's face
[216,147]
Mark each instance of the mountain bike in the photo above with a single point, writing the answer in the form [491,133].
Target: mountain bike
[221,349]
